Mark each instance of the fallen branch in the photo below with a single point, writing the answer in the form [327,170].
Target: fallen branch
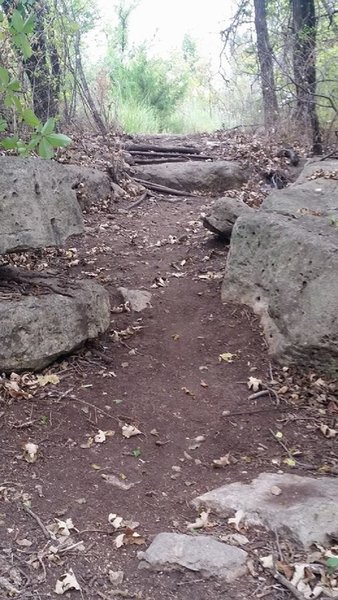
[151,148]
[163,188]
[168,155]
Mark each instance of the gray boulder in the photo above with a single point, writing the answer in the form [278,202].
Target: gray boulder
[224,214]
[304,508]
[35,330]
[38,206]
[90,184]
[283,262]
[194,176]
[200,553]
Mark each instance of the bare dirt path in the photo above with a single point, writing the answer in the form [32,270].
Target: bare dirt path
[161,371]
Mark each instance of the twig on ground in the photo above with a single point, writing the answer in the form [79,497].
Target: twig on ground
[138,201]
[38,521]
[280,553]
[103,412]
[259,395]
[265,392]
[289,586]
[290,455]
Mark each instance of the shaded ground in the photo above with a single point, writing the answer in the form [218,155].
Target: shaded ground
[159,370]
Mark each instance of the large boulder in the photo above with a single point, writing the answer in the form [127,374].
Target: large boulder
[223,214]
[35,330]
[194,176]
[90,184]
[38,206]
[283,262]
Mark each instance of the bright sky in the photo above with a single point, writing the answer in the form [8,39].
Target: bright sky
[164,22]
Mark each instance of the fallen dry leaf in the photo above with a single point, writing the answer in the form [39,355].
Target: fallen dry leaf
[129,431]
[49,378]
[66,582]
[224,461]
[101,436]
[196,442]
[254,384]
[115,521]
[119,540]
[227,357]
[201,522]
[236,520]
[30,452]
[327,431]
[113,480]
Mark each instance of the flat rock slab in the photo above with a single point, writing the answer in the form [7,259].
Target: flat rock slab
[138,299]
[38,206]
[193,176]
[199,553]
[301,507]
[35,330]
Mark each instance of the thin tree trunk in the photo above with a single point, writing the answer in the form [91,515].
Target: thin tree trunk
[265,58]
[85,88]
[304,66]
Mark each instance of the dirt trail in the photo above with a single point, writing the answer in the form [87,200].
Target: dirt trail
[165,377]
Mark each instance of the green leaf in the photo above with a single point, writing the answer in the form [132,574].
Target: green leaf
[14,85]
[29,24]
[30,118]
[9,143]
[136,452]
[48,127]
[9,100]
[17,103]
[17,21]
[332,562]
[22,42]
[45,149]
[58,140]
[4,77]
[3,125]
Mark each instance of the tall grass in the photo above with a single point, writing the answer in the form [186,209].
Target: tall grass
[191,117]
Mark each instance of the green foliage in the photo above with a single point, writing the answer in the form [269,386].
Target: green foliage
[43,138]
[332,563]
[150,82]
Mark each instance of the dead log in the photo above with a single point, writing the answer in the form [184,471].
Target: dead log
[162,149]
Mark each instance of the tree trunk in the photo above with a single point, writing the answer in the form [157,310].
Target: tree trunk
[265,59]
[304,67]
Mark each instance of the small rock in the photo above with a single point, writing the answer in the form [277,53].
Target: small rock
[116,577]
[138,299]
[200,553]
[224,214]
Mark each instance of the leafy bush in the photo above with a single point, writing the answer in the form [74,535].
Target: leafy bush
[43,139]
